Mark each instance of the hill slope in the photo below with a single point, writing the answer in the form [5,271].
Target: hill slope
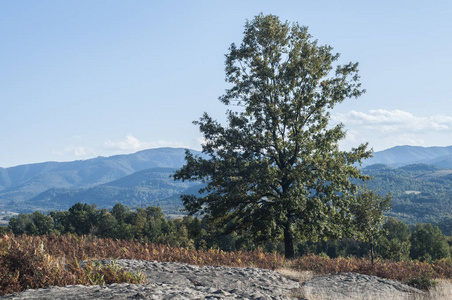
[421,193]
[151,187]
[24,182]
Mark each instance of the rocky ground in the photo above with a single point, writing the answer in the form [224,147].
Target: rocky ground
[357,286]
[183,281]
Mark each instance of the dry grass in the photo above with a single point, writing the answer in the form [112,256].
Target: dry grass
[322,295]
[443,291]
[301,276]
[325,294]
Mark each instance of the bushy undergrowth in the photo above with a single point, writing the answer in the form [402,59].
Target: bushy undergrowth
[39,261]
[26,262]
[422,281]
[72,247]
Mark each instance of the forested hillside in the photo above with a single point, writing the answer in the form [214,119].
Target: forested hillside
[421,193]
[148,187]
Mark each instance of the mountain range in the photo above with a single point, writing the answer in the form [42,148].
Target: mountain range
[135,179]
[416,176]
[406,155]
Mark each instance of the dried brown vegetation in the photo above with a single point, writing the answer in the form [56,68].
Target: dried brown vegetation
[39,261]
[29,262]
[415,273]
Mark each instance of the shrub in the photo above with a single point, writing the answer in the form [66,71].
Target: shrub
[26,263]
[422,281]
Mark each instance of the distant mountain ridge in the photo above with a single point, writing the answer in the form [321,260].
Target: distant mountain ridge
[406,155]
[150,187]
[96,170]
[22,183]
[143,179]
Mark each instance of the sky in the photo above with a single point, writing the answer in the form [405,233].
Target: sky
[82,78]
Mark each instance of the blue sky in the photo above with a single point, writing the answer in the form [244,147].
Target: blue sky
[80,79]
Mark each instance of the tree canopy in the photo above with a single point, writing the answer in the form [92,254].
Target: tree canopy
[428,243]
[276,169]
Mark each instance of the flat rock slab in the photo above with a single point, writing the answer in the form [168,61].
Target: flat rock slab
[178,281]
[357,286]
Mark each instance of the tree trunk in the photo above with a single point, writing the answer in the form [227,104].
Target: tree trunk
[289,251]
[372,252]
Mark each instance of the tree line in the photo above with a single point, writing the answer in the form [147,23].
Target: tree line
[396,242]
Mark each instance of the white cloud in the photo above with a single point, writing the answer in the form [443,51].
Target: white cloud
[77,151]
[129,144]
[387,128]
[199,142]
[387,121]
[132,144]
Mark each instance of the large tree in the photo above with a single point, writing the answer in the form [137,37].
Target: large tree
[276,168]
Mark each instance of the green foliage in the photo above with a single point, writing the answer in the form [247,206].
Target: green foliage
[334,248]
[82,217]
[445,225]
[396,229]
[4,229]
[394,249]
[107,225]
[35,223]
[119,211]
[95,273]
[21,224]
[43,224]
[369,210]
[395,244]
[428,243]
[276,170]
